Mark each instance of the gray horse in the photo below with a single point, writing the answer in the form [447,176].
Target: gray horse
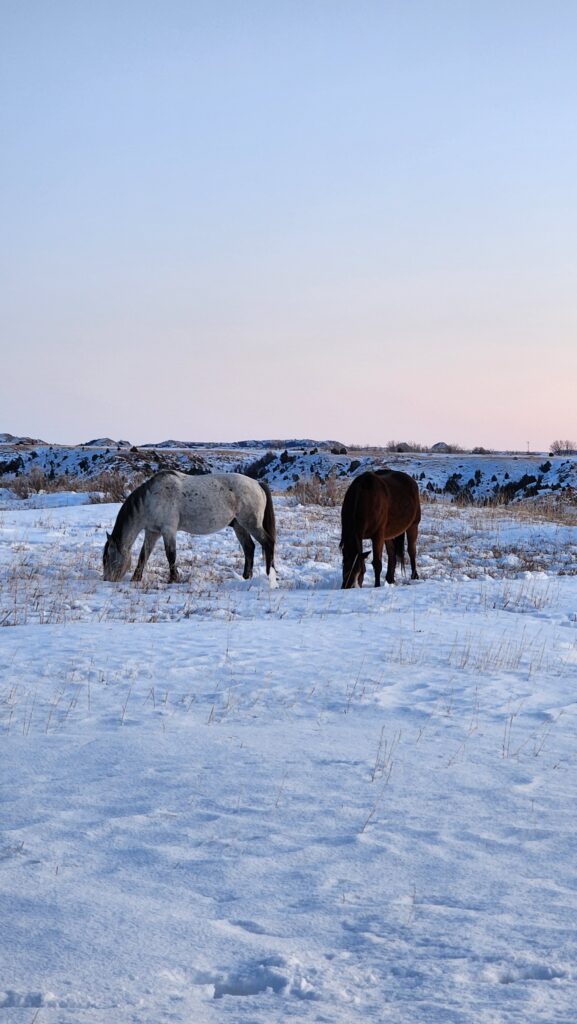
[172,501]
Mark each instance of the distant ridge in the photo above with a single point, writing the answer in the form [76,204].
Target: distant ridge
[104,442]
[273,443]
[444,473]
[12,439]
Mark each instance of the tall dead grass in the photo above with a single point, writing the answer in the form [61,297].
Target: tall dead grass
[107,486]
[326,493]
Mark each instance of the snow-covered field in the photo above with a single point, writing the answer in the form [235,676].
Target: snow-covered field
[225,802]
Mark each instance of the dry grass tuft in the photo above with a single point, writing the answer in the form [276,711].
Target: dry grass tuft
[326,493]
[108,486]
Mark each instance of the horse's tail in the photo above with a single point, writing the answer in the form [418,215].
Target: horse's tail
[399,543]
[269,526]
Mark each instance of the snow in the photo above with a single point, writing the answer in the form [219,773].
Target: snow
[46,499]
[226,802]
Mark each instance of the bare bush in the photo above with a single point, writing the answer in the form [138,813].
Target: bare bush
[20,486]
[113,486]
[108,486]
[329,492]
[563,448]
[35,481]
[406,446]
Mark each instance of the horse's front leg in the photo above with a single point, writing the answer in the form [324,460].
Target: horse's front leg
[170,549]
[150,539]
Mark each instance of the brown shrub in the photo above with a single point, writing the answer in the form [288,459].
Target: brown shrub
[329,492]
[113,486]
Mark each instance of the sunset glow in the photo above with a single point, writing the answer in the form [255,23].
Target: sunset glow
[228,221]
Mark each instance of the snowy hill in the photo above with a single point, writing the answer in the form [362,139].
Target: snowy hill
[463,477]
[250,445]
[105,442]
[450,476]
[11,439]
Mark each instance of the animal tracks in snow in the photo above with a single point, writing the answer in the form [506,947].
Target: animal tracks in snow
[250,926]
[274,974]
[520,973]
[11,999]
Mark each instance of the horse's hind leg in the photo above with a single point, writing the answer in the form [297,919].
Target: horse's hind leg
[377,559]
[170,549]
[150,539]
[267,544]
[412,549]
[247,544]
[391,561]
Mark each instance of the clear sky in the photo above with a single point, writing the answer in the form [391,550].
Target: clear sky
[234,219]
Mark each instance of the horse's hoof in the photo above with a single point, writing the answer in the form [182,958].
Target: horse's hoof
[272,578]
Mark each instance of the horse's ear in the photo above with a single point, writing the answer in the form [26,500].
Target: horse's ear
[107,535]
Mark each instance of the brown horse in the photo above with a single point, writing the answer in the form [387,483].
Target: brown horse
[382,506]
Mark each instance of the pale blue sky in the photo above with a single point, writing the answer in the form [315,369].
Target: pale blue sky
[240,219]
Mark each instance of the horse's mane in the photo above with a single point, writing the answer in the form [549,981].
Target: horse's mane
[133,503]
[349,534]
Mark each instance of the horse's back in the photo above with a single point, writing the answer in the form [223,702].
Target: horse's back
[386,500]
[403,490]
[212,501]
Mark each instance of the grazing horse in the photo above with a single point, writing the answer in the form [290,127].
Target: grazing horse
[172,501]
[382,506]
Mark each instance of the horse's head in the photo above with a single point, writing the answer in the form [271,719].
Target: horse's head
[115,562]
[354,566]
